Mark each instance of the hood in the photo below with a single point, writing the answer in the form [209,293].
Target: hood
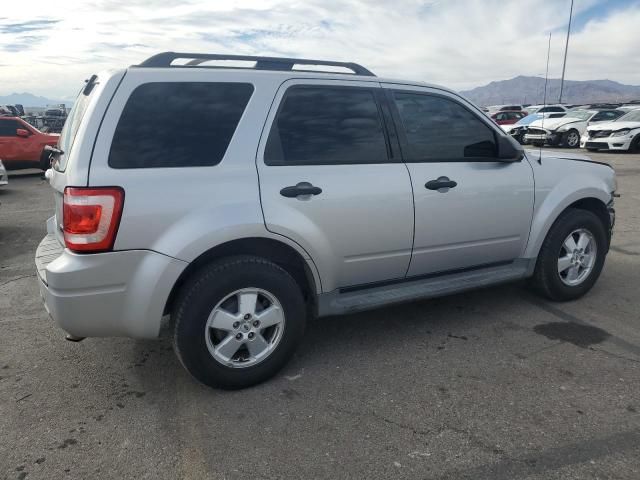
[554,123]
[614,126]
[542,155]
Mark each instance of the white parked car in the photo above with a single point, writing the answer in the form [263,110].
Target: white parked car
[621,134]
[4,178]
[546,109]
[566,131]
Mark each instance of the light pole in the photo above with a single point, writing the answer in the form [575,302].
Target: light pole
[566,47]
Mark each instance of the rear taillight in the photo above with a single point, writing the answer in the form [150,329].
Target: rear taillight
[90,217]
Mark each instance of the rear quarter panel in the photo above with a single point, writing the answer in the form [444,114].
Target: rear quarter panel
[183,212]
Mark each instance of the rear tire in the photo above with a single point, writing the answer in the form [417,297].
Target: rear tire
[554,255]
[210,316]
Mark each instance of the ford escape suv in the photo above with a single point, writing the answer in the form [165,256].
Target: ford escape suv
[225,203]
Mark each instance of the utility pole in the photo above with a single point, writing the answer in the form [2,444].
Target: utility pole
[566,47]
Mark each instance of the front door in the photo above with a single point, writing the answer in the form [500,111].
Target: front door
[330,181]
[471,209]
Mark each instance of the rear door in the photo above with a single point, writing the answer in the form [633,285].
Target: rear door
[471,209]
[331,180]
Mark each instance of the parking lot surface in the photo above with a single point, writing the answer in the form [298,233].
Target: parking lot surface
[494,384]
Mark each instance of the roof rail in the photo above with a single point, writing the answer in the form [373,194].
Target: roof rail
[165,59]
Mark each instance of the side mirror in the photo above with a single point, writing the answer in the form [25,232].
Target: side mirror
[21,132]
[509,150]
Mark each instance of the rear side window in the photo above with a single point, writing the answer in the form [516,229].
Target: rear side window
[8,128]
[319,125]
[439,129]
[178,124]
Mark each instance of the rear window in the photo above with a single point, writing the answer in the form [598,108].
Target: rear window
[178,124]
[70,129]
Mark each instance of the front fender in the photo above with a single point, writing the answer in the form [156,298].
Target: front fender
[555,200]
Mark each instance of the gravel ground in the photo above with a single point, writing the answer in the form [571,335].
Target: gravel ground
[494,384]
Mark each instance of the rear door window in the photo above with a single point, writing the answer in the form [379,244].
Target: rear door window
[178,124]
[438,129]
[326,125]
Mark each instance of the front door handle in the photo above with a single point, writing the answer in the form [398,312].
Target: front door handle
[302,188]
[442,184]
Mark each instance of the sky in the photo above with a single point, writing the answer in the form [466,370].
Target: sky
[49,47]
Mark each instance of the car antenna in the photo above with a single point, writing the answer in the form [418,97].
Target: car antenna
[544,100]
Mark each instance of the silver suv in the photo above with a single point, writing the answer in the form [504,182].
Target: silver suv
[226,203]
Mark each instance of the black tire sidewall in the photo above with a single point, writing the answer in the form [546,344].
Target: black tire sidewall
[200,295]
[568,222]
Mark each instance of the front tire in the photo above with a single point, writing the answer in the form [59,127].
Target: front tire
[571,139]
[238,321]
[572,256]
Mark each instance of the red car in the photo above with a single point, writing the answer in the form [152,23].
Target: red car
[22,145]
[508,117]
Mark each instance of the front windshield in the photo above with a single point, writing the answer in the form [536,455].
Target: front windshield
[580,114]
[528,119]
[632,116]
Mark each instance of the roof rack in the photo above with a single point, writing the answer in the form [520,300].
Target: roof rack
[165,59]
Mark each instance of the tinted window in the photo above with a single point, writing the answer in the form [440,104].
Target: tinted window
[178,124]
[440,129]
[70,129]
[8,128]
[326,125]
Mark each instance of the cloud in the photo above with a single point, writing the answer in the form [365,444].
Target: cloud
[461,43]
[30,26]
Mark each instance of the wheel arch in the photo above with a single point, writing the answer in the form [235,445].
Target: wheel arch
[280,253]
[593,202]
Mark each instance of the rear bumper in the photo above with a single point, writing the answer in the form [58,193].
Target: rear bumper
[105,294]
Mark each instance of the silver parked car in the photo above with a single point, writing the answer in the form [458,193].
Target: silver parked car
[226,205]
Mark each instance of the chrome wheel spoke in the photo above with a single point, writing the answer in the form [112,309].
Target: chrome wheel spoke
[564,263]
[270,317]
[247,303]
[228,347]
[257,346]
[573,272]
[570,244]
[588,260]
[222,320]
[583,240]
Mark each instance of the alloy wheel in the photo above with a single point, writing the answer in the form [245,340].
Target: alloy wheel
[577,257]
[244,328]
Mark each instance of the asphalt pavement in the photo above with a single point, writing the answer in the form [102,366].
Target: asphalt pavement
[495,384]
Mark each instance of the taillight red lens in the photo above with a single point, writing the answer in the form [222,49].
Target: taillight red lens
[90,217]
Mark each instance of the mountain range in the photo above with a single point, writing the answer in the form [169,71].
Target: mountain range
[28,100]
[517,90]
[523,89]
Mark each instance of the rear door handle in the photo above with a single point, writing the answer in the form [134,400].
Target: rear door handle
[442,184]
[300,189]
